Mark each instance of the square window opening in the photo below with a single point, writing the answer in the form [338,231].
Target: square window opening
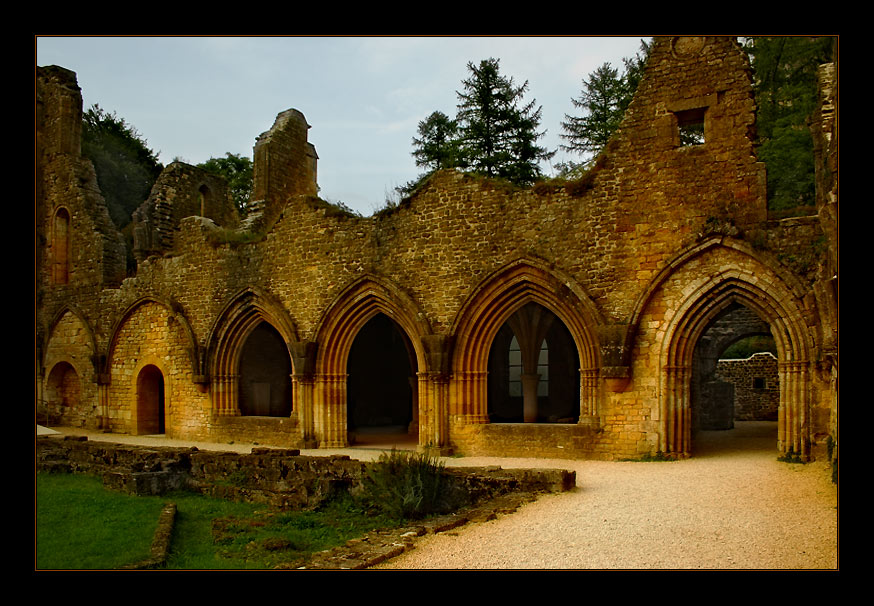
[690,126]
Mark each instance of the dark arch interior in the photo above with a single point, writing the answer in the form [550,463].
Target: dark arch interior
[379,393]
[558,393]
[265,374]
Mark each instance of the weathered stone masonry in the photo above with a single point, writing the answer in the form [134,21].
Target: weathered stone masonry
[635,265]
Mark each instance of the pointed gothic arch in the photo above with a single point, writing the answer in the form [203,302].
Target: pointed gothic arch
[246,313]
[492,304]
[352,308]
[757,288]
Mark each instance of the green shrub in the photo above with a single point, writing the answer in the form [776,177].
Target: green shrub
[408,485]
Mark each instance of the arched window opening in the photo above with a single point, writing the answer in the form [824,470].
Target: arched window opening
[533,370]
[150,401]
[381,384]
[265,374]
[61,247]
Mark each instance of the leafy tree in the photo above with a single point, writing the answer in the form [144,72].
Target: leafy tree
[497,136]
[125,165]
[237,171]
[785,85]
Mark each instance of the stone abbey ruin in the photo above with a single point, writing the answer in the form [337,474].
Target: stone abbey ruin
[578,319]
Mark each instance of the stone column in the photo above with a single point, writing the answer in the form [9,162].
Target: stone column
[303,388]
[224,395]
[413,428]
[468,402]
[530,381]
[329,411]
[793,424]
[589,396]
[433,392]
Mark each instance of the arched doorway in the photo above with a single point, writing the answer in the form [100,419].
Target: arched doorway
[265,374]
[732,394]
[381,384]
[150,401]
[533,370]
[716,296]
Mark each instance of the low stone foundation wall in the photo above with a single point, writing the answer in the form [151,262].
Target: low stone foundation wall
[280,477]
[542,440]
[279,431]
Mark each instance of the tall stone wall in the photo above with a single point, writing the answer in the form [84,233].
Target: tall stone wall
[637,259]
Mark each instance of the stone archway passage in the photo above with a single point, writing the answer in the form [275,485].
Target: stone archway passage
[708,303]
[150,401]
[380,384]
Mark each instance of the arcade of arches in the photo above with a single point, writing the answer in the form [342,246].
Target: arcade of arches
[581,319]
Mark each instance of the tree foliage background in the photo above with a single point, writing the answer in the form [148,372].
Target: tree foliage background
[786,90]
[237,171]
[125,165]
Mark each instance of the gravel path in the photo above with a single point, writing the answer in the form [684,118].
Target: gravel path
[731,506]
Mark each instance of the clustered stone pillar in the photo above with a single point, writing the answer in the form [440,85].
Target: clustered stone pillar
[588,396]
[329,418]
[530,325]
[793,425]
[676,412]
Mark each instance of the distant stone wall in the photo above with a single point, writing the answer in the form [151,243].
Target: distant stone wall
[756,386]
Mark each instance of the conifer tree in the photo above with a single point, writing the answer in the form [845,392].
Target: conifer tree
[438,146]
[605,96]
[785,85]
[498,136]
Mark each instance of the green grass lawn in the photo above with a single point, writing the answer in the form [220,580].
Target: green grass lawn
[82,525]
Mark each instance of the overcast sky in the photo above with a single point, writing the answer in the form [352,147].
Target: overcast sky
[194,98]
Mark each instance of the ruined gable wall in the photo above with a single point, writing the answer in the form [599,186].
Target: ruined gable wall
[180,191]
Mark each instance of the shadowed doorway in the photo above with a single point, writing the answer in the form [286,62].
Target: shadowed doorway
[380,404]
[150,401]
